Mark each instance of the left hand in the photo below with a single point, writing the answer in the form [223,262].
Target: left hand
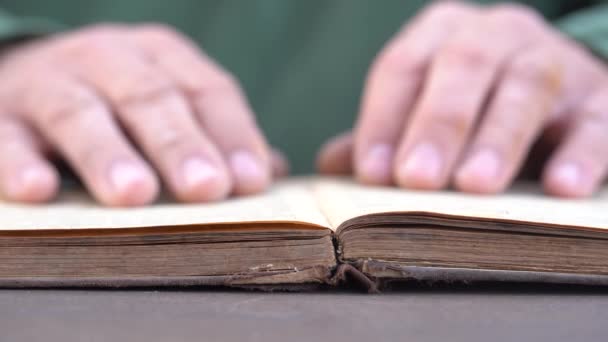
[461,94]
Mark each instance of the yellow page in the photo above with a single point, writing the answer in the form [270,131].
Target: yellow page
[324,202]
[342,199]
[288,201]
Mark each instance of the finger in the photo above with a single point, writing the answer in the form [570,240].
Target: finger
[25,176]
[280,165]
[78,124]
[580,164]
[159,119]
[392,85]
[522,103]
[219,103]
[336,156]
[445,114]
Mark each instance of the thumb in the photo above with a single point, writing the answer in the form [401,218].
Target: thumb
[336,155]
[280,165]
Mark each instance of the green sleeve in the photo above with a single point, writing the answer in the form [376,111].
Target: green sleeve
[590,27]
[14,27]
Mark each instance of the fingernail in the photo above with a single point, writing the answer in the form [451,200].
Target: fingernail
[484,166]
[248,171]
[32,179]
[198,171]
[124,175]
[568,175]
[376,166]
[423,167]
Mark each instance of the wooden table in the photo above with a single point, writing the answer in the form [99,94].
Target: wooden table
[222,315]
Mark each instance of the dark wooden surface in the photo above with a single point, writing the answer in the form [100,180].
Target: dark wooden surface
[222,315]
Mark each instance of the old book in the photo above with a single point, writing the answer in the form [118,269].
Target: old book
[307,231]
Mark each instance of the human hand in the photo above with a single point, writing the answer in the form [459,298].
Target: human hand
[106,96]
[460,95]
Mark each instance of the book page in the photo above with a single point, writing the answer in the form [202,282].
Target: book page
[342,199]
[287,201]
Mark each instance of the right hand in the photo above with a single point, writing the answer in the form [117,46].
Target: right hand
[104,97]
[462,94]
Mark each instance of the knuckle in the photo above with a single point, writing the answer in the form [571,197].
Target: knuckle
[450,122]
[90,41]
[10,132]
[103,29]
[516,15]
[531,68]
[136,105]
[170,141]
[505,132]
[158,32]
[515,136]
[64,113]
[87,153]
[99,34]
[466,54]
[595,109]
[401,62]
[142,89]
[446,9]
[221,83]
[589,136]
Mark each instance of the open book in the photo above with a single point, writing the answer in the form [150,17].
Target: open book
[308,231]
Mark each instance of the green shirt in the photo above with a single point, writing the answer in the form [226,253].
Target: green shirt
[301,62]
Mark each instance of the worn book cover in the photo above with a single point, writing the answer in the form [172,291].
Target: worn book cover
[306,232]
